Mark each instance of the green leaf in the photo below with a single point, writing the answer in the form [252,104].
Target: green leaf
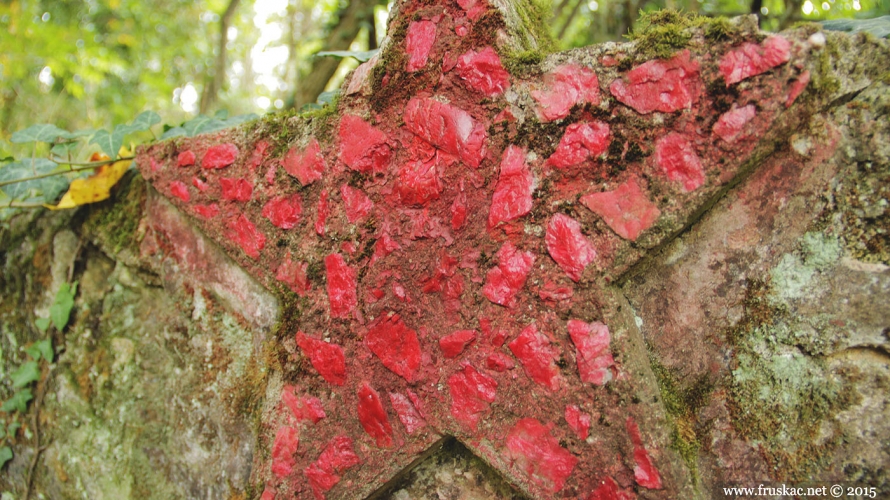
[44,349]
[110,143]
[12,429]
[239,119]
[27,373]
[879,26]
[47,188]
[44,132]
[42,324]
[174,132]
[5,455]
[326,98]
[360,56]
[7,159]
[18,401]
[82,133]
[60,311]
[199,124]
[145,120]
[63,149]
[222,114]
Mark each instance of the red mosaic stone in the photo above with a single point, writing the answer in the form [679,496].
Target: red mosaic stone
[395,345]
[284,211]
[533,449]
[287,440]
[472,393]
[581,141]
[645,473]
[499,362]
[336,458]
[578,422]
[752,59]
[660,85]
[303,408]
[245,234]
[373,417]
[797,87]
[185,159]
[180,190]
[594,356]
[408,414]
[327,358]
[564,87]
[483,71]
[419,183]
[341,286]
[356,203]
[207,211]
[513,194]
[293,274]
[363,148]
[447,127]
[537,357]
[235,189]
[306,165]
[568,247]
[322,212]
[627,209]
[220,156]
[199,184]
[731,124]
[503,282]
[609,490]
[418,43]
[454,343]
[679,161]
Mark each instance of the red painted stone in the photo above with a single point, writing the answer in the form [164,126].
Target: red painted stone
[356,203]
[324,473]
[660,85]
[609,490]
[268,493]
[180,190]
[731,124]
[503,282]
[419,183]
[645,473]
[752,59]
[293,274]
[578,422]
[199,184]
[627,209]
[533,450]
[537,357]
[259,153]
[235,189]
[284,211]
[185,159]
[363,148]
[307,165]
[384,246]
[564,87]
[499,362]
[447,127]
[303,408]
[471,393]
[568,247]
[408,414]
[245,234]
[418,42]
[459,211]
[593,353]
[154,165]
[581,141]
[553,292]
[207,211]
[483,71]
[220,156]
[373,417]
[454,343]
[322,213]
[395,344]
[513,194]
[341,286]
[287,439]
[473,8]
[797,87]
[327,358]
[679,162]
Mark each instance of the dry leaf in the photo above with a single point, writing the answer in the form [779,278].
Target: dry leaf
[96,187]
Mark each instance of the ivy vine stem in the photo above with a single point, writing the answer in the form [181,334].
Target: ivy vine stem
[75,167]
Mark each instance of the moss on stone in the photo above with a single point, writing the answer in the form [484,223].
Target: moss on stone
[115,222]
[660,34]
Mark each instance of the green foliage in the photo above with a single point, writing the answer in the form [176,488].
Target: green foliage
[43,189]
[879,26]
[60,311]
[202,124]
[43,132]
[18,402]
[42,349]
[25,374]
[5,455]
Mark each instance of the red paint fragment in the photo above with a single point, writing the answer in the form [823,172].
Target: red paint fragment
[207,211]
[581,141]
[396,345]
[627,210]
[592,347]
[459,211]
[660,85]
[531,447]
[645,472]
[155,166]
[752,59]
[407,413]
[797,87]
[730,125]
[483,71]
[473,8]
[268,493]
[245,234]
[578,422]
[418,42]
[499,362]
[554,293]
[185,159]
[564,87]
[679,162]
[373,417]
[384,246]
[533,350]
[324,473]
[220,156]
[454,343]
[341,285]
[199,184]
[471,394]
[513,194]
[447,127]
[503,282]
[293,274]
[284,211]
[259,153]
[287,439]
[180,190]
[307,165]
[327,359]
[363,148]
[323,212]
[236,189]
[609,490]
[304,408]
[419,183]
[355,202]
[568,247]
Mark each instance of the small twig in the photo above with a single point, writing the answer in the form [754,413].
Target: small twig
[41,391]
[51,174]
[89,164]
[21,204]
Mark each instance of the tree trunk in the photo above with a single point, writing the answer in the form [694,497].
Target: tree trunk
[217,79]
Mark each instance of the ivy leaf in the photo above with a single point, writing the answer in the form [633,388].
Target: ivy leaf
[221,114]
[239,119]
[110,143]
[7,159]
[63,149]
[12,429]
[199,125]
[47,188]
[42,324]
[173,132]
[27,373]
[44,132]
[60,311]
[18,401]
[145,120]
[360,56]
[81,133]
[326,98]
[879,26]
[5,455]
[43,348]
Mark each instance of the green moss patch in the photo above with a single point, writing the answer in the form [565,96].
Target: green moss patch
[660,34]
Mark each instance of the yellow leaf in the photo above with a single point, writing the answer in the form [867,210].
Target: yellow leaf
[96,187]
